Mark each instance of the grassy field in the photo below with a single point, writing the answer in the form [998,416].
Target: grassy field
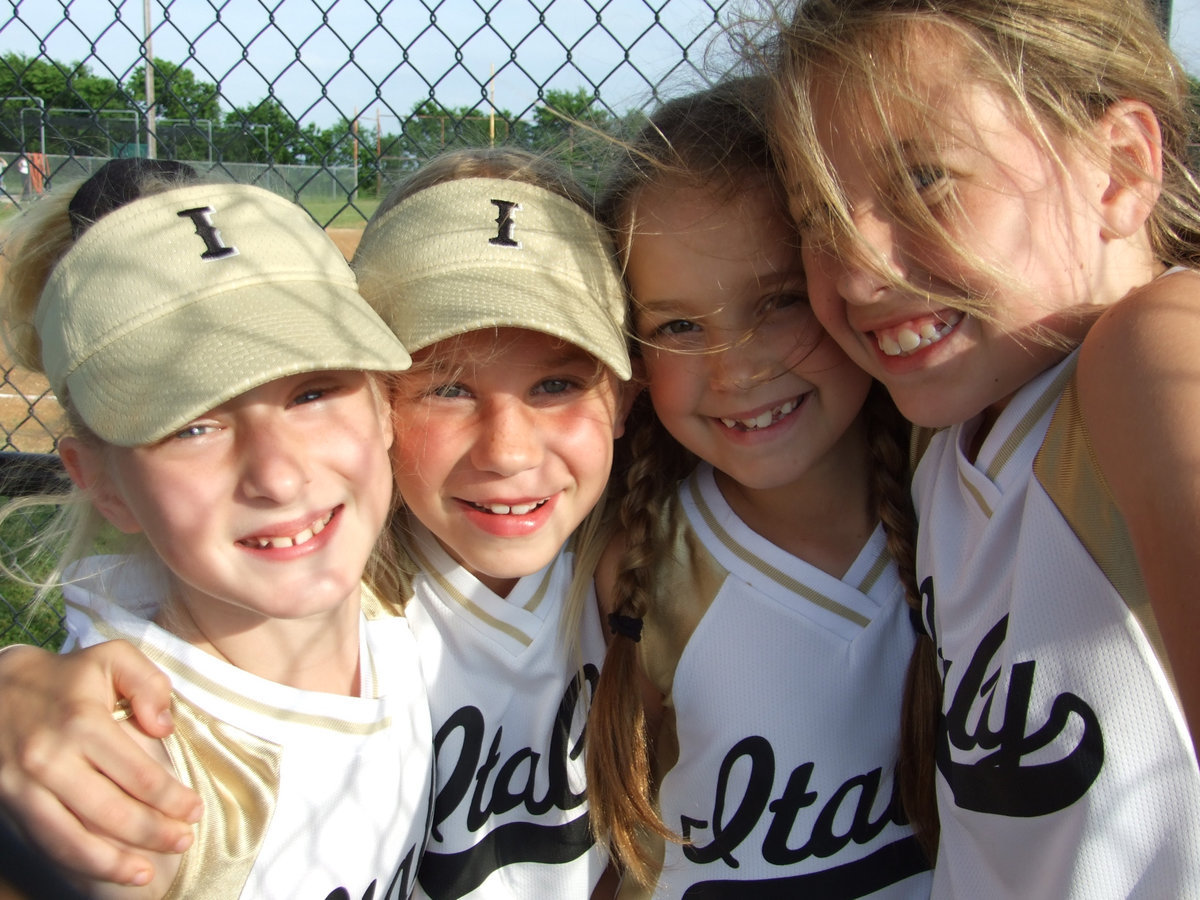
[21,620]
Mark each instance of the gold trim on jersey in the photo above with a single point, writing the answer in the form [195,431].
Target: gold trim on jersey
[881,564]
[1019,434]
[1067,469]
[450,591]
[236,774]
[975,495]
[781,578]
[177,667]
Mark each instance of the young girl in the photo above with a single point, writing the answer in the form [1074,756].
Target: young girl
[1000,224]
[758,593]
[492,270]
[213,359]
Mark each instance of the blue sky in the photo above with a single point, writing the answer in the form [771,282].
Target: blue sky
[1185,33]
[363,43]
[342,60]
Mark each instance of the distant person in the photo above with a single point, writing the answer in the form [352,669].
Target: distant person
[26,177]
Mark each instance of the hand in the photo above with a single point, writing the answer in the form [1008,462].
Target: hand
[76,780]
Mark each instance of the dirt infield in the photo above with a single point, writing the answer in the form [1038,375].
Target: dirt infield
[29,414]
[346,239]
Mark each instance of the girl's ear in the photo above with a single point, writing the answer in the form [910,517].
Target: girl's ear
[1130,135]
[87,470]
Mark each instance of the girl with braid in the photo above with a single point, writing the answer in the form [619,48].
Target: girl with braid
[748,711]
[1001,222]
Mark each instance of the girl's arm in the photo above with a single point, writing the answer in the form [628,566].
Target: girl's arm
[1139,390]
[74,779]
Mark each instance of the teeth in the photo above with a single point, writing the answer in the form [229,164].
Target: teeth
[905,340]
[501,509]
[762,420]
[302,537]
[908,340]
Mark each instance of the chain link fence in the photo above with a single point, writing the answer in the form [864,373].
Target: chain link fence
[326,102]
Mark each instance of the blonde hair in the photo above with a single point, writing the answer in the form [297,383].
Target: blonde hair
[523,166]
[1059,65]
[716,140]
[41,236]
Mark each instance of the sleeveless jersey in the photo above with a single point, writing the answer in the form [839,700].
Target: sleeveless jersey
[783,689]
[509,696]
[306,794]
[1065,767]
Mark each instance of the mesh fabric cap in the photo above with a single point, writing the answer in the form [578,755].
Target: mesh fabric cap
[180,301]
[492,253]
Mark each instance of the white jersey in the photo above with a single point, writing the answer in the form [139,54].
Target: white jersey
[509,697]
[785,705]
[306,794]
[1065,767]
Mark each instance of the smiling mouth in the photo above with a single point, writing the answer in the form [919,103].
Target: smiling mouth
[281,541]
[504,509]
[764,419]
[906,340]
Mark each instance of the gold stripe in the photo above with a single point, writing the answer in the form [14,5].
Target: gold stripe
[786,581]
[1018,435]
[469,605]
[540,594]
[1067,469]
[237,776]
[882,561]
[987,511]
[177,667]
[919,438]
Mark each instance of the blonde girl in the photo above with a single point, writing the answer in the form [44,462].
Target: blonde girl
[215,363]
[1000,224]
[748,708]
[491,267]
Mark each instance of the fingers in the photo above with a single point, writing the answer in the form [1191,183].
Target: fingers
[142,683]
[70,845]
[99,774]
[81,785]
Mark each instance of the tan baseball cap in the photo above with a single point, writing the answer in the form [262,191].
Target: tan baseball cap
[480,253]
[177,302]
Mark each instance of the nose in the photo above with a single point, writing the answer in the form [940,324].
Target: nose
[744,361]
[274,461]
[509,440]
[874,251]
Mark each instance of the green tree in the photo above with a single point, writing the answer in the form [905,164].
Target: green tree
[178,94]
[573,125]
[68,115]
[264,132]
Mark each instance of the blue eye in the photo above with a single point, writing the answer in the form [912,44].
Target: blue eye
[925,177]
[195,429]
[308,396]
[555,386]
[449,391]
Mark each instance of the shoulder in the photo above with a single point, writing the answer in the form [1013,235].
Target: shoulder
[1138,384]
[1138,365]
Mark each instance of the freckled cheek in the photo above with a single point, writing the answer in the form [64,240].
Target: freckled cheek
[585,442]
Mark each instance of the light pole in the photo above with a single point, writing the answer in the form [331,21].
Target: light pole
[148,55]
